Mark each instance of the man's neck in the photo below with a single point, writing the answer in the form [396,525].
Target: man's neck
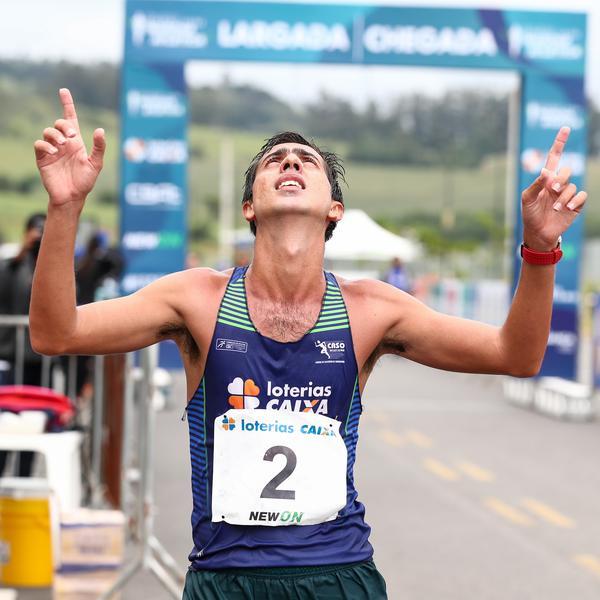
[287,265]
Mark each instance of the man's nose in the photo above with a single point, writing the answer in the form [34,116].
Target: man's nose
[291,162]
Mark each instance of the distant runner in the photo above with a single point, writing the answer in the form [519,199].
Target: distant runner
[276,356]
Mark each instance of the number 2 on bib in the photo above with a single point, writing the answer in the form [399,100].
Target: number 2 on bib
[270,490]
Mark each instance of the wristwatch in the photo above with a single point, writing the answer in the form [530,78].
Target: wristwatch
[533,257]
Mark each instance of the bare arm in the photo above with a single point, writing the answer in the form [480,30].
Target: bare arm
[455,344]
[517,348]
[58,326]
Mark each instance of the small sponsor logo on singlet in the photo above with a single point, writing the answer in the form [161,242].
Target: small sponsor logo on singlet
[231,345]
[330,351]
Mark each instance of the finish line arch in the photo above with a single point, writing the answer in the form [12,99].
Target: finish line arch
[547,50]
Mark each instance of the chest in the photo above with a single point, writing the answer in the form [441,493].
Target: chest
[283,322]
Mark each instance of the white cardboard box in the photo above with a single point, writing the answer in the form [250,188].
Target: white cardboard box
[91,540]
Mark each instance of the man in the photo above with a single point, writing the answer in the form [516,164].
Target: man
[16,275]
[397,276]
[274,421]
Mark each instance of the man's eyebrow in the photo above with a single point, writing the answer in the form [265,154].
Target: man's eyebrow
[284,151]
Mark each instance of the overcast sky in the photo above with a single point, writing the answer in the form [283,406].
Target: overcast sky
[92,30]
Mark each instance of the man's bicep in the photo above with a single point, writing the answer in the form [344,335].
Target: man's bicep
[124,324]
[443,341]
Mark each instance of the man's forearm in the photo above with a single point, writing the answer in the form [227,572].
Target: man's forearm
[53,310]
[524,334]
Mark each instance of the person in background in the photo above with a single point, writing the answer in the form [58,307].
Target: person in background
[98,269]
[398,277]
[97,272]
[16,275]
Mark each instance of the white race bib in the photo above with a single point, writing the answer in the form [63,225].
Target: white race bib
[277,468]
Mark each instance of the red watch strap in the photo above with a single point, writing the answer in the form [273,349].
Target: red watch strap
[533,257]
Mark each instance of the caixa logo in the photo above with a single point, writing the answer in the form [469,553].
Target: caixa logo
[164,195]
[168,151]
[245,393]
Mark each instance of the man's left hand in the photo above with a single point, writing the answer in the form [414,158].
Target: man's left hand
[551,203]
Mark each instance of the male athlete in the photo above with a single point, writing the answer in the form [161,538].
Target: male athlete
[273,418]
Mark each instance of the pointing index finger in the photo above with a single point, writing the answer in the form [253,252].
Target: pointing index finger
[68,105]
[557,148]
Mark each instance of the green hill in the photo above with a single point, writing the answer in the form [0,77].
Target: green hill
[400,196]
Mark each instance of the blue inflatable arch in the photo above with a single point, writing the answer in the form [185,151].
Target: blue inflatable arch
[547,49]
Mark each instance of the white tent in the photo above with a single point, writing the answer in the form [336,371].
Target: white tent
[358,237]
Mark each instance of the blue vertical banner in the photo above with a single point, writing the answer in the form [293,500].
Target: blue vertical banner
[547,104]
[154,157]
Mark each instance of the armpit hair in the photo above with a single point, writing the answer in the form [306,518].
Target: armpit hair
[385,347]
[182,336]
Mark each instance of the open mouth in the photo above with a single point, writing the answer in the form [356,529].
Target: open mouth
[289,182]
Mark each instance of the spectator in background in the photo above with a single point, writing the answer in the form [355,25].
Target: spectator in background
[97,273]
[98,270]
[398,277]
[16,275]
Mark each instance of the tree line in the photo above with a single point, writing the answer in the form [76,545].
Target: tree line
[460,128]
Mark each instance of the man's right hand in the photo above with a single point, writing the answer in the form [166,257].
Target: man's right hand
[68,172]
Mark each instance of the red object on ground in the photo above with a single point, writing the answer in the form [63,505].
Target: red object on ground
[16,398]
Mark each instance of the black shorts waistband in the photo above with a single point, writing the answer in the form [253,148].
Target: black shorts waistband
[286,572]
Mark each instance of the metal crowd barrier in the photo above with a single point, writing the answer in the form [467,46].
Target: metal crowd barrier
[53,376]
[138,483]
[20,323]
[137,499]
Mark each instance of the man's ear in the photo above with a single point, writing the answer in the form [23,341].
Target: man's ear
[336,211]
[248,210]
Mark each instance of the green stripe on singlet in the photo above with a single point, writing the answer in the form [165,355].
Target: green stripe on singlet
[234,309]
[238,325]
[332,328]
[234,305]
[234,316]
[333,312]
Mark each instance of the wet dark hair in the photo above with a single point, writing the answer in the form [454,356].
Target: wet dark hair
[334,168]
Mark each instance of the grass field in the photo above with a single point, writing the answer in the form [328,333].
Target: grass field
[391,192]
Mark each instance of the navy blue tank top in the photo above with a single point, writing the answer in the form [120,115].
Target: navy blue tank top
[317,373]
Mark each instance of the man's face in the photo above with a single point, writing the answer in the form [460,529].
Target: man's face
[292,179]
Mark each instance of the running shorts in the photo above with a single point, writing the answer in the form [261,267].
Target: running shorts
[355,581]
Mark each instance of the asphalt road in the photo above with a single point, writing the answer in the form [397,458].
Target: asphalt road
[468,496]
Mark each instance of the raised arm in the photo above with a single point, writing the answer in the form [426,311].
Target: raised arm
[549,206]
[57,325]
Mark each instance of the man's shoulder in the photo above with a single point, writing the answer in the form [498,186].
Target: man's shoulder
[369,289]
[198,276]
